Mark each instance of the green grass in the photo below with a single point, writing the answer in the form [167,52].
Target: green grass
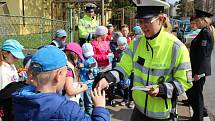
[30,42]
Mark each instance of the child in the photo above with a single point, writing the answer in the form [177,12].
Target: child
[136,31]
[43,103]
[73,86]
[10,53]
[88,73]
[124,85]
[113,43]
[125,32]
[101,49]
[110,32]
[6,93]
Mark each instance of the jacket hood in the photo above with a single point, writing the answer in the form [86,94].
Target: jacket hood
[30,105]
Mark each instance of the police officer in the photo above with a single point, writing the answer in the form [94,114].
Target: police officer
[200,55]
[87,25]
[159,63]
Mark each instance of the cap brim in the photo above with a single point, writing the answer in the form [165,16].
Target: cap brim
[90,10]
[82,58]
[145,16]
[61,36]
[18,55]
[90,53]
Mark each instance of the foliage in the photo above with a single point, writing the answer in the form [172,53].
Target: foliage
[121,3]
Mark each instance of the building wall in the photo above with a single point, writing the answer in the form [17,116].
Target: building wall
[40,8]
[206,5]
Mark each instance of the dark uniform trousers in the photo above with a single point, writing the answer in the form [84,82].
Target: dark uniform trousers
[139,116]
[82,41]
[196,99]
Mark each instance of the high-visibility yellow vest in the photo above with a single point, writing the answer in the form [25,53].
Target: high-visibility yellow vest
[87,25]
[164,56]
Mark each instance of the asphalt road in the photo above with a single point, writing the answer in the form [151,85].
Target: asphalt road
[209,90]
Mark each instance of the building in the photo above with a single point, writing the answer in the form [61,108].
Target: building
[35,16]
[206,5]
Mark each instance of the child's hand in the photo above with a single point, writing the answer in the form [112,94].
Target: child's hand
[21,70]
[81,65]
[98,97]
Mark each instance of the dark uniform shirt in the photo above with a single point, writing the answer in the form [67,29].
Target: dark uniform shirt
[200,52]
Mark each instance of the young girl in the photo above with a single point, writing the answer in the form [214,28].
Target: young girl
[6,93]
[10,53]
[73,86]
[101,49]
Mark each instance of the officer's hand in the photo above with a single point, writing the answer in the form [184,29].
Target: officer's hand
[196,77]
[102,84]
[153,90]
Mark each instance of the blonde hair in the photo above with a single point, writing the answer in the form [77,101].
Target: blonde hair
[166,23]
[41,78]
[45,77]
[207,22]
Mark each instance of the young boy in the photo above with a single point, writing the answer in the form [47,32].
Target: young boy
[88,73]
[125,32]
[43,103]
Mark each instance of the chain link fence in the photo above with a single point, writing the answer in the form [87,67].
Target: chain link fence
[32,32]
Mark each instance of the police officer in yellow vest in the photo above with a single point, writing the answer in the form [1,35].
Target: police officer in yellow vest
[87,25]
[160,65]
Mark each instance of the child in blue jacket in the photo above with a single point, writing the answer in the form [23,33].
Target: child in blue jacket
[43,101]
[88,72]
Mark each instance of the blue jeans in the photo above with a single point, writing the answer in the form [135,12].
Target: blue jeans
[86,105]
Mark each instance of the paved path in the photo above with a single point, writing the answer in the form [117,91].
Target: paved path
[209,90]
[122,113]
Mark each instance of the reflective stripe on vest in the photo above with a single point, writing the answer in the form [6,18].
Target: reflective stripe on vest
[156,115]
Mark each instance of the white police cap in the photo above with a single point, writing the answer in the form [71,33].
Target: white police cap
[150,8]
[151,3]
[90,6]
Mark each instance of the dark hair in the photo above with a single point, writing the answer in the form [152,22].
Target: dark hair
[124,26]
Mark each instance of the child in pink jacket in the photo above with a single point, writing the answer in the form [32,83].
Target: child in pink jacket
[101,48]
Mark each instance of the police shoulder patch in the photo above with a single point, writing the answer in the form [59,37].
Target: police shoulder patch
[189,76]
[204,43]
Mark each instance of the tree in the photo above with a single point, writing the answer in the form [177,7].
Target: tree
[179,8]
[119,7]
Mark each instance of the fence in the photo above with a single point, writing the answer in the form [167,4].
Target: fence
[32,32]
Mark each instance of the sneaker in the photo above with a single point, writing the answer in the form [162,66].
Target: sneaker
[114,103]
[123,103]
[131,104]
[205,113]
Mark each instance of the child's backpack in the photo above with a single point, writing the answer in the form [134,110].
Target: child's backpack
[6,99]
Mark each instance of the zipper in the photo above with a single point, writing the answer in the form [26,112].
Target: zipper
[147,82]
[146,100]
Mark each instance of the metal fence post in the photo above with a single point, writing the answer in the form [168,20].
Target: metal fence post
[41,28]
[70,23]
